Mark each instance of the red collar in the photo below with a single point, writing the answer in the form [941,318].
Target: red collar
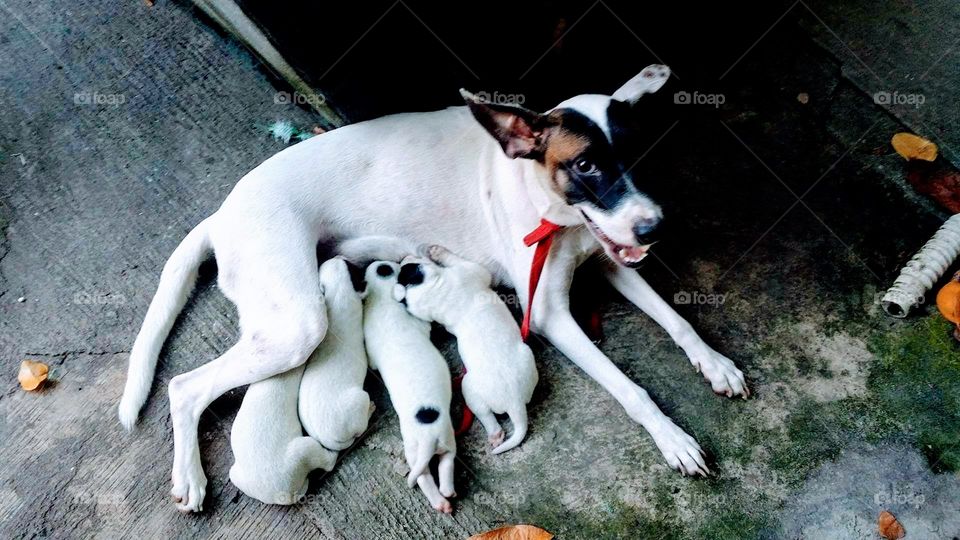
[542,236]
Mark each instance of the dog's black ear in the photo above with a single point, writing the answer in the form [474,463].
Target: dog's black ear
[518,130]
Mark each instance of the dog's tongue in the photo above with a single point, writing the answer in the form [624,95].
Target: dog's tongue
[632,254]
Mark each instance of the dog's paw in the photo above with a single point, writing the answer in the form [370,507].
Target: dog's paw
[722,374]
[444,507]
[189,489]
[680,450]
[496,438]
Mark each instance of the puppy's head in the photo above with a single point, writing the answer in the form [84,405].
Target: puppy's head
[419,287]
[336,284]
[581,144]
[381,277]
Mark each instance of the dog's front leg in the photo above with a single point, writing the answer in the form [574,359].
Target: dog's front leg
[679,449]
[723,375]
[552,318]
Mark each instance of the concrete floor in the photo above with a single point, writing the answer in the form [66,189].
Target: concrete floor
[853,412]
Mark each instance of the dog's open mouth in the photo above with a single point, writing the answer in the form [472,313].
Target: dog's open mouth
[621,254]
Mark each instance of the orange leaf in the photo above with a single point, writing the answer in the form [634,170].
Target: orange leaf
[889,527]
[32,374]
[514,532]
[911,146]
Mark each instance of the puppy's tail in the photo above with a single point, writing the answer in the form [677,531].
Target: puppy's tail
[425,453]
[176,283]
[519,418]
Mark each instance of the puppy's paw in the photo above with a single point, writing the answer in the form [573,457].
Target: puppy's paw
[437,253]
[721,373]
[189,489]
[496,438]
[444,507]
[680,450]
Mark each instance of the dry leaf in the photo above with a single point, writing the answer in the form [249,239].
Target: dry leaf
[911,146]
[514,532]
[32,374]
[889,527]
[803,98]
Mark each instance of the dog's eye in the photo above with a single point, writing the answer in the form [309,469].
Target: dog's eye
[584,166]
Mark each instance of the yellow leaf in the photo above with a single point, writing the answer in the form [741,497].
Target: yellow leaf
[32,374]
[514,532]
[889,527]
[911,146]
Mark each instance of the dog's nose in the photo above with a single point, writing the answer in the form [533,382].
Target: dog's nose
[410,274]
[647,230]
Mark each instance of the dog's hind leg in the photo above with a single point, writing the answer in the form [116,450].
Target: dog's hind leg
[445,472]
[429,488]
[282,321]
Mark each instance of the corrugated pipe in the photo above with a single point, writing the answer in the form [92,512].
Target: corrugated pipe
[923,270]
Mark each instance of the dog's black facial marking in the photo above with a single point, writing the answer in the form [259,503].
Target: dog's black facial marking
[596,172]
[410,274]
[427,415]
[384,270]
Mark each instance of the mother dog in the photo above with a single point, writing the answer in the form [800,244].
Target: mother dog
[475,179]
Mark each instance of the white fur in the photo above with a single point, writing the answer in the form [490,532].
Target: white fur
[416,376]
[436,178]
[334,408]
[271,456]
[501,373]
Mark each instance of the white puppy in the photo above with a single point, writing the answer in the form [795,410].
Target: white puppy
[418,380]
[334,409]
[271,455]
[501,373]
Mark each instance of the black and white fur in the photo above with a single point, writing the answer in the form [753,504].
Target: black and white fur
[334,408]
[271,456]
[417,379]
[475,179]
[501,373]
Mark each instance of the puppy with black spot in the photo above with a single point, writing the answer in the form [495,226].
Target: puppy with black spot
[334,408]
[501,373]
[271,455]
[417,379]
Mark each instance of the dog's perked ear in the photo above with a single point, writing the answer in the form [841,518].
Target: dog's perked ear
[648,81]
[518,130]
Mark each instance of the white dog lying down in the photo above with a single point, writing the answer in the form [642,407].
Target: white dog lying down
[271,455]
[334,409]
[501,373]
[417,378]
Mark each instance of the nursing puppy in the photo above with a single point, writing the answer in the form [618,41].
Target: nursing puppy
[417,378]
[271,455]
[334,409]
[501,373]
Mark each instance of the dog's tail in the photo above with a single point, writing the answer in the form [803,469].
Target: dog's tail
[425,452]
[176,282]
[519,418]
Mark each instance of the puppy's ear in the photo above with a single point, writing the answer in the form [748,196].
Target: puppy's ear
[648,81]
[518,130]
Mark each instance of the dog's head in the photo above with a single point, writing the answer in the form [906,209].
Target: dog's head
[579,144]
[381,276]
[419,287]
[336,285]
